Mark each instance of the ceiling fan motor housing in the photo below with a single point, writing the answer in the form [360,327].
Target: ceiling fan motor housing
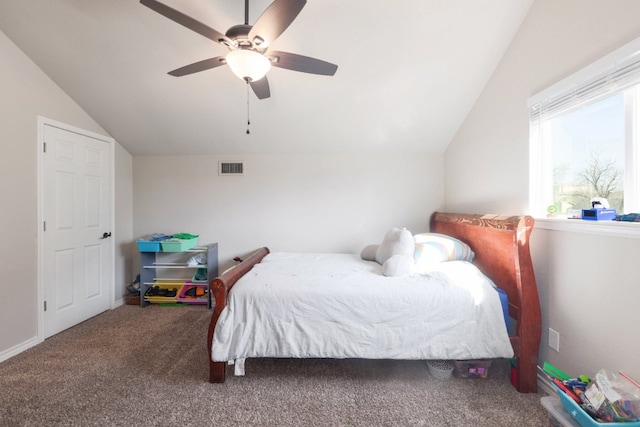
[240,34]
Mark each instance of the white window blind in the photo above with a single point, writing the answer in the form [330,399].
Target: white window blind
[615,72]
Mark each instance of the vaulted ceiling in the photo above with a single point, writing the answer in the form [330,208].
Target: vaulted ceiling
[409,71]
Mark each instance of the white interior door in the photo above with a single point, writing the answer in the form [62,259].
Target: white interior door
[76,170]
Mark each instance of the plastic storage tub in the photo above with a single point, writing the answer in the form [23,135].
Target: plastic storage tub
[148,246]
[558,417]
[178,245]
[584,419]
[193,293]
[164,286]
[471,368]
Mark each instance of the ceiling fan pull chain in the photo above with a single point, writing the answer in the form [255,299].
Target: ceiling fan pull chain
[248,117]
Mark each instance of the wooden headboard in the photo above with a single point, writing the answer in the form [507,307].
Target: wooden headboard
[501,246]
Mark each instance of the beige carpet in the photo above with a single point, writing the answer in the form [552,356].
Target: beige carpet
[148,367]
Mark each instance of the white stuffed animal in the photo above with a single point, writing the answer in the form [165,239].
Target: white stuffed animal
[395,253]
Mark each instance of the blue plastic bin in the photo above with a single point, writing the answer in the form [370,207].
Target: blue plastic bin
[148,246]
[584,419]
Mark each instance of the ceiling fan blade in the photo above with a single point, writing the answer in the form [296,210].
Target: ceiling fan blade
[304,64]
[196,67]
[261,88]
[273,21]
[186,21]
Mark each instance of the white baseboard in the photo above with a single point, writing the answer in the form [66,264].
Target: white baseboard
[17,349]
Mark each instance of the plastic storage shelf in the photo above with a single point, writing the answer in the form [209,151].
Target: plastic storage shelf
[159,267]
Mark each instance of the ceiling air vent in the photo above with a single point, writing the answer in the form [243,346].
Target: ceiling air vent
[231,168]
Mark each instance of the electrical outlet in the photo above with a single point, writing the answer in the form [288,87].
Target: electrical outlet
[554,340]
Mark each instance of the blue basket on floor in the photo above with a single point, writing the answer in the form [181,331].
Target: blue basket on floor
[584,419]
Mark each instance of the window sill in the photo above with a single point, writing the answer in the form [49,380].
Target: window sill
[605,228]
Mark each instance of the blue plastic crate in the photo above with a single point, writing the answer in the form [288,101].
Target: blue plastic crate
[581,417]
[148,246]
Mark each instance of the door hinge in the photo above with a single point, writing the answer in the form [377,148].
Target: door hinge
[45,306]
[44,225]
[44,147]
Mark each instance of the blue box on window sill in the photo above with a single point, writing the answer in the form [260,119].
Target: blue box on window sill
[599,214]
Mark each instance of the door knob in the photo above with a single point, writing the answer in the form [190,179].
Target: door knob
[106,235]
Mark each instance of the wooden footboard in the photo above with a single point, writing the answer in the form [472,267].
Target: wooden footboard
[220,287]
[501,245]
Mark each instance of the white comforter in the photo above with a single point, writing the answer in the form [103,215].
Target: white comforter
[339,306]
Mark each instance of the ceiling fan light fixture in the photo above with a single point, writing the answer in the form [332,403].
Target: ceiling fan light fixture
[247,64]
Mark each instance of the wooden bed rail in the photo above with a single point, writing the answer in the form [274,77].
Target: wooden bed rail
[220,287]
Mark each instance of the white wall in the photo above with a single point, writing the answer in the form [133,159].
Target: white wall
[588,283]
[125,247]
[25,93]
[304,203]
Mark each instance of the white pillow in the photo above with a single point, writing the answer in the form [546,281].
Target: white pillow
[434,248]
[397,241]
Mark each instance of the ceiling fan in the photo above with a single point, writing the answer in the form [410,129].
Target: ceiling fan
[249,56]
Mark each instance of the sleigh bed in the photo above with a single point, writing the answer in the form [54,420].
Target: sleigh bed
[242,328]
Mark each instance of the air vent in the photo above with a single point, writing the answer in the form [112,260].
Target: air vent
[231,168]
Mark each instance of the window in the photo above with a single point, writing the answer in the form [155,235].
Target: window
[585,138]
